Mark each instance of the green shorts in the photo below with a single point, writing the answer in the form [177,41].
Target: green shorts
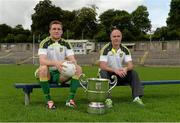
[54,76]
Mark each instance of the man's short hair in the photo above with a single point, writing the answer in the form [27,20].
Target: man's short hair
[55,22]
[114,28]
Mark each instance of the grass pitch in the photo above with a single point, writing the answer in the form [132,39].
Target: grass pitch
[162,101]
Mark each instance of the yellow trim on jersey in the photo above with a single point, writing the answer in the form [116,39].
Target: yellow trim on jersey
[67,42]
[126,48]
[114,51]
[55,44]
[44,41]
[102,50]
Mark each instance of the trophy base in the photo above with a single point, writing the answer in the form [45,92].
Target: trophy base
[96,108]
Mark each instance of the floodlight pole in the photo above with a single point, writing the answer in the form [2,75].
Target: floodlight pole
[33,46]
[67,35]
[150,37]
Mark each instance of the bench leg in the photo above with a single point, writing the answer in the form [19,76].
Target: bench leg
[26,98]
[27,92]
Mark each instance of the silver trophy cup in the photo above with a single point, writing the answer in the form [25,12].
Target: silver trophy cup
[97,91]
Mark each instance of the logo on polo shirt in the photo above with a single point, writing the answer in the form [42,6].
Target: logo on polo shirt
[121,54]
[61,49]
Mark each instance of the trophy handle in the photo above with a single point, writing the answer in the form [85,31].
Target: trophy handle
[114,82]
[81,81]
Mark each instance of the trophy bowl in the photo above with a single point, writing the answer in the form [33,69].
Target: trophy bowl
[97,90]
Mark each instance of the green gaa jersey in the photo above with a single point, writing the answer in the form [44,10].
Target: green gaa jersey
[115,59]
[55,51]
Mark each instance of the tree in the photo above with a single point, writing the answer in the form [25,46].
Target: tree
[11,35]
[140,19]
[116,18]
[173,22]
[174,34]
[106,19]
[20,38]
[30,38]
[4,31]
[101,35]
[68,24]
[161,33]
[121,20]
[18,29]
[127,35]
[45,12]
[85,23]
[10,38]
[174,15]
[20,35]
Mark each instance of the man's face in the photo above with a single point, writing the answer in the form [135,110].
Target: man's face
[116,37]
[56,31]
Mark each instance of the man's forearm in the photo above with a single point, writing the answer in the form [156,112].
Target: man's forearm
[106,68]
[129,67]
[47,62]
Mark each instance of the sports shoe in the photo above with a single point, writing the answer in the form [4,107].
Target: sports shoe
[71,103]
[50,105]
[139,102]
[108,103]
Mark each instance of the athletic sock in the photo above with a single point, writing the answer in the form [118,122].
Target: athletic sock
[46,88]
[73,87]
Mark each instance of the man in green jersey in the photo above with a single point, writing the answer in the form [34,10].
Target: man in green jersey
[53,51]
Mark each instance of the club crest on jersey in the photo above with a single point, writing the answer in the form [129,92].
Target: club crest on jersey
[61,49]
[121,54]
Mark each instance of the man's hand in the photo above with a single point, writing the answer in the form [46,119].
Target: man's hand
[122,72]
[59,65]
[78,68]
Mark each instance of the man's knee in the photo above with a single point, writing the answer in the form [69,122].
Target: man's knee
[78,70]
[64,79]
[103,74]
[43,70]
[134,73]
